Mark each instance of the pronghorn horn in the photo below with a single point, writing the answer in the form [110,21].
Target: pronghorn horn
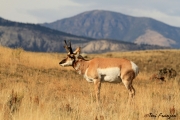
[65,46]
[68,48]
[77,51]
[71,51]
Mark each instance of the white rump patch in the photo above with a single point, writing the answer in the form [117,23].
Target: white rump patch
[109,74]
[135,68]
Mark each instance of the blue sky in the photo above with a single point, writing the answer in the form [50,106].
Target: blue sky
[40,11]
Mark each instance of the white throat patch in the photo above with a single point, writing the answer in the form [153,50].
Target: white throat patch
[77,66]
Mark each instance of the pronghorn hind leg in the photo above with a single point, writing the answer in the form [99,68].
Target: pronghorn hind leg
[129,87]
[97,87]
[127,80]
[131,90]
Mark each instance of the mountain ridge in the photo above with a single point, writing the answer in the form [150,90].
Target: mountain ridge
[33,37]
[37,38]
[100,24]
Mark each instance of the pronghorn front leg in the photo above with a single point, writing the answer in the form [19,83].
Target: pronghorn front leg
[97,87]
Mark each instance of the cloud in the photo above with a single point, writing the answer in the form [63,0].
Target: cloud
[158,15]
[33,10]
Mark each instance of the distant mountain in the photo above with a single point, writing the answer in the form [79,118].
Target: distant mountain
[112,25]
[99,46]
[33,37]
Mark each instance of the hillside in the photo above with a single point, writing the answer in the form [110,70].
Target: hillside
[100,45]
[112,25]
[34,37]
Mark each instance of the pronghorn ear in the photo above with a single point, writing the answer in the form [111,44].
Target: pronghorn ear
[77,51]
[80,57]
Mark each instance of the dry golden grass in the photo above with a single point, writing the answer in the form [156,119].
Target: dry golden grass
[34,87]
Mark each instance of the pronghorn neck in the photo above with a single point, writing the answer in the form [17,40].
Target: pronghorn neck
[80,65]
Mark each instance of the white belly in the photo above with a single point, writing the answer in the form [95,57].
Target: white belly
[109,74]
[106,75]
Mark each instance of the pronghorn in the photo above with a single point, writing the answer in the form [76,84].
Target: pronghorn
[99,70]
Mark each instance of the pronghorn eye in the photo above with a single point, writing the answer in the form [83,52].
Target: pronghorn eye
[71,56]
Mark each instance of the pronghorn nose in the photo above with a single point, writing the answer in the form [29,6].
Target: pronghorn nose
[61,64]
[63,61]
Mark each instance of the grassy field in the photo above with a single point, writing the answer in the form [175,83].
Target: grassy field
[34,87]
